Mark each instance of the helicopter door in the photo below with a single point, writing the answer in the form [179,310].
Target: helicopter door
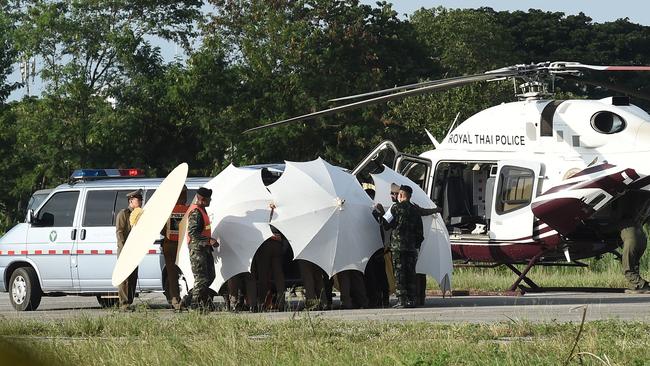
[384,154]
[415,168]
[515,185]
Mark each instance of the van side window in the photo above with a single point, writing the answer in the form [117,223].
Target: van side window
[191,193]
[59,210]
[121,202]
[515,189]
[147,195]
[99,208]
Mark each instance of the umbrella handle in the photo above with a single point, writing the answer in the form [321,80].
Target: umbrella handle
[271,214]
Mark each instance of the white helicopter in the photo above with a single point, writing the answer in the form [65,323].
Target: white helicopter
[527,182]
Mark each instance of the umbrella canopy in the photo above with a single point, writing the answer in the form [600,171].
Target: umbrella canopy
[435,252]
[239,213]
[326,216]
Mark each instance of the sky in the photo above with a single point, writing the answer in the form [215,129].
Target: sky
[638,11]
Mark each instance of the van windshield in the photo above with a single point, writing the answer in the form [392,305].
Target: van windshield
[37,198]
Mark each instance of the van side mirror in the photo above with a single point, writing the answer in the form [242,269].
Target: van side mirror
[29,218]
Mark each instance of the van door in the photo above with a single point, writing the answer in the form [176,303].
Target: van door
[96,246]
[516,186]
[50,240]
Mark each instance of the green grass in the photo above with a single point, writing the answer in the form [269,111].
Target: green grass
[604,272]
[193,339]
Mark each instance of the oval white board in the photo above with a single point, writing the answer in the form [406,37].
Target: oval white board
[156,212]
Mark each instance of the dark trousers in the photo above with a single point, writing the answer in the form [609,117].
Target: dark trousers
[170,249]
[353,289]
[634,245]
[267,264]
[314,283]
[377,281]
[243,283]
[126,289]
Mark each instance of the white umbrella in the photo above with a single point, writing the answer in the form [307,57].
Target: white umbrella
[325,215]
[239,213]
[435,252]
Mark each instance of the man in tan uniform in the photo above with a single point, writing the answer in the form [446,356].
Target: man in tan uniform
[126,289]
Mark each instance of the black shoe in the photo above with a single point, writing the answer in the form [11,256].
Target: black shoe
[399,305]
[410,304]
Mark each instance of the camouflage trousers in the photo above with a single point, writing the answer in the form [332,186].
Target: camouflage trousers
[203,268]
[404,269]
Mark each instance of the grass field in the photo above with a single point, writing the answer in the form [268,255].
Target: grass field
[222,338]
[604,272]
[145,338]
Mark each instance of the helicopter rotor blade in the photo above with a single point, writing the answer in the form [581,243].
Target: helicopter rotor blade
[442,85]
[567,66]
[610,86]
[397,88]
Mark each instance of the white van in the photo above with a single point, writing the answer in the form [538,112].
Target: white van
[67,246]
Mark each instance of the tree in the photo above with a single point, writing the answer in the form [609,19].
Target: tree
[7,55]
[464,40]
[457,40]
[292,56]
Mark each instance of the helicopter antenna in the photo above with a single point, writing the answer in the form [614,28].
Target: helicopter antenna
[453,124]
[435,142]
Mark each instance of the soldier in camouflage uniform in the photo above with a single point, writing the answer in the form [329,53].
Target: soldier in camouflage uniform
[200,245]
[405,218]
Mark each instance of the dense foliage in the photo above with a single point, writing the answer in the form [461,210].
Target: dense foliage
[111,99]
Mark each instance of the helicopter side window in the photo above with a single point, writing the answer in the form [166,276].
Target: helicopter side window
[515,189]
[607,122]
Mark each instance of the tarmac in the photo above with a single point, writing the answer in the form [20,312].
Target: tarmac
[541,307]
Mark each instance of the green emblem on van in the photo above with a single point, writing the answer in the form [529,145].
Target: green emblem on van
[52,236]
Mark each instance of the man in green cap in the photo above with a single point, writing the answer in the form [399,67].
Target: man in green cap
[126,289]
[200,245]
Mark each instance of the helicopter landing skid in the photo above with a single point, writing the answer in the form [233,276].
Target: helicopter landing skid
[518,289]
[522,275]
[573,289]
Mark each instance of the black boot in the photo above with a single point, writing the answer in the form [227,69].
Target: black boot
[401,303]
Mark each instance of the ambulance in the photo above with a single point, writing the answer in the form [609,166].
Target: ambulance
[67,244]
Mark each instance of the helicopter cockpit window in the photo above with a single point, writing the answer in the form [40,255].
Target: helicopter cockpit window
[376,164]
[515,189]
[415,172]
[607,122]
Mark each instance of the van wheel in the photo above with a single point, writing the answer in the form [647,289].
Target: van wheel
[25,290]
[107,302]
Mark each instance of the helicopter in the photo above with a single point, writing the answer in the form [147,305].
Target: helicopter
[533,181]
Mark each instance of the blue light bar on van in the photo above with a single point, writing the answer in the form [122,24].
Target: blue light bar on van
[106,173]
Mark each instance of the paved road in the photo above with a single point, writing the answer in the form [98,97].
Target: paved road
[560,307]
